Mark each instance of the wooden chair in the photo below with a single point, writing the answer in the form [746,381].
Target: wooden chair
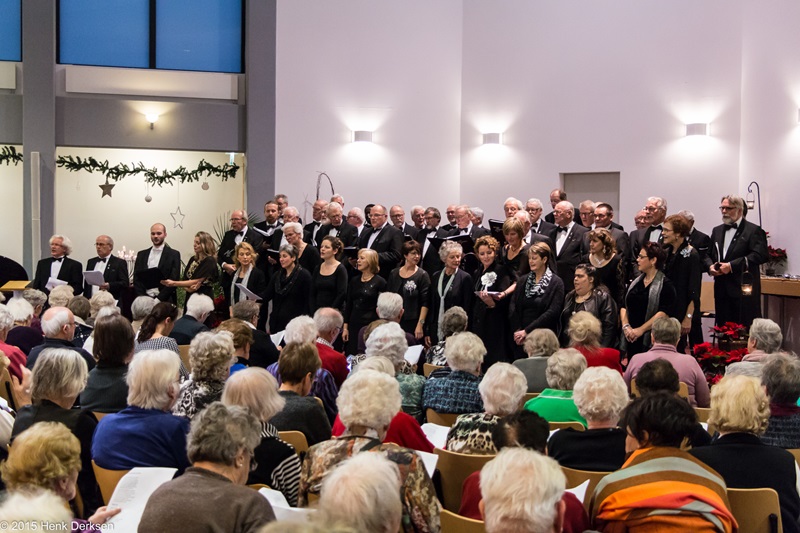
[683,390]
[441,419]
[455,523]
[99,416]
[796,453]
[427,368]
[259,486]
[756,510]
[7,392]
[184,352]
[564,425]
[454,469]
[529,396]
[576,477]
[296,439]
[107,480]
[702,413]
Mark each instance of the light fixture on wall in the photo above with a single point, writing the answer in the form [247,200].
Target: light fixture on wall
[492,138]
[152,118]
[362,136]
[697,128]
[751,198]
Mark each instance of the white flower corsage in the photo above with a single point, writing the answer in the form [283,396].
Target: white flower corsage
[686,251]
[410,286]
[488,279]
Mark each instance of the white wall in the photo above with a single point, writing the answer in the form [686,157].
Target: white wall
[390,67]
[82,214]
[11,212]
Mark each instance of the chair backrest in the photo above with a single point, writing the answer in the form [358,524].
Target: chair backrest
[441,419]
[107,480]
[454,469]
[184,353]
[7,392]
[99,416]
[702,413]
[683,389]
[796,453]
[427,368]
[296,439]
[756,510]
[707,298]
[259,486]
[529,396]
[564,425]
[576,477]
[455,523]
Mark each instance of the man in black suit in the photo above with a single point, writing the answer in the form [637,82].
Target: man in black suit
[450,213]
[162,257]
[699,240]
[604,219]
[355,217]
[238,234]
[270,223]
[656,212]
[572,246]
[337,226]
[418,217]
[317,216]
[538,225]
[431,263]
[464,225]
[114,269]
[737,246]
[398,216]
[384,239]
[59,266]
[556,196]
[186,328]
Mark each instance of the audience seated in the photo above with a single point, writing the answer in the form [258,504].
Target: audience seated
[780,377]
[645,495]
[211,355]
[600,395]
[22,335]
[764,338]
[37,299]
[198,307]
[389,340]
[107,310]
[389,309]
[502,390]
[297,366]
[81,309]
[666,334]
[145,433]
[37,508]
[106,390]
[740,413]
[60,296]
[210,496]
[454,321]
[277,463]
[368,402]
[16,358]
[539,345]
[457,392]
[242,340]
[98,301]
[140,308]
[584,336]
[263,351]
[555,403]
[329,324]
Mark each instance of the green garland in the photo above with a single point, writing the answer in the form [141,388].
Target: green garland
[9,155]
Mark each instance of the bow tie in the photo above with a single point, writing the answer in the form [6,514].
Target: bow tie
[659,228]
[58,260]
[464,231]
[239,232]
[271,226]
[102,259]
[560,229]
[316,223]
[731,226]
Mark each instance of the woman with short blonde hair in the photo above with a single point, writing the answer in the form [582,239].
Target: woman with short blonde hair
[555,404]
[362,298]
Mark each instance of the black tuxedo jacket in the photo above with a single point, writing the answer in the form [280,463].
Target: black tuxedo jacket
[618,226]
[623,242]
[638,238]
[574,252]
[388,244]
[551,218]
[170,266]
[700,242]
[430,262]
[544,227]
[409,230]
[228,244]
[448,227]
[308,232]
[71,272]
[475,233]
[115,274]
[348,233]
[749,243]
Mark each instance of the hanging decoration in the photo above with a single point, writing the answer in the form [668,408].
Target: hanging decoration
[147,197]
[151,175]
[107,188]
[177,218]
[205,185]
[9,155]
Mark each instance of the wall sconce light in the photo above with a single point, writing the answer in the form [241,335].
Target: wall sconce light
[152,118]
[751,198]
[492,138]
[698,128]
[362,136]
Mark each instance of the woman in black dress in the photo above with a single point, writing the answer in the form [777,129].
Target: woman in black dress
[651,296]
[362,298]
[289,290]
[244,259]
[488,318]
[450,287]
[538,298]
[609,265]
[307,255]
[201,270]
[515,253]
[329,282]
[684,270]
[414,285]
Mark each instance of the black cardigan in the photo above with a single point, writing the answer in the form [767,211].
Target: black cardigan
[548,306]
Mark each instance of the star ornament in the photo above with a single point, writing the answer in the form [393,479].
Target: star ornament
[177,218]
[106,189]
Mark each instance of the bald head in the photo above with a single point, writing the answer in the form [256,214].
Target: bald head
[238,220]
[58,323]
[158,233]
[103,245]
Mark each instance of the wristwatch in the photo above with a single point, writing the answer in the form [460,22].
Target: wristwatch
[688,315]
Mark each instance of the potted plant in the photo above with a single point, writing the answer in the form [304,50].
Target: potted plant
[776,256]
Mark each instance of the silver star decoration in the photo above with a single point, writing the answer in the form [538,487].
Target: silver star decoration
[106,189]
[177,218]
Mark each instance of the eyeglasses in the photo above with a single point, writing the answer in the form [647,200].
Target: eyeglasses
[727,208]
[640,256]
[234,219]
[649,208]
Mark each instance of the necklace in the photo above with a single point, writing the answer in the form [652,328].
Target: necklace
[595,261]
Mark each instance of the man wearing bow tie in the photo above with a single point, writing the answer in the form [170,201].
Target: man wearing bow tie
[114,269]
[656,212]
[464,225]
[317,217]
[737,247]
[572,245]
[59,266]
[337,226]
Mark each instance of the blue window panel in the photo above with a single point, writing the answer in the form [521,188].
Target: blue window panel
[109,33]
[201,35]
[10,30]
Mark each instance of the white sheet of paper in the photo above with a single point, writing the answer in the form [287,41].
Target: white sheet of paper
[413,353]
[261,231]
[250,295]
[436,434]
[282,509]
[277,337]
[132,493]
[429,460]
[580,490]
[93,277]
[705,425]
[53,283]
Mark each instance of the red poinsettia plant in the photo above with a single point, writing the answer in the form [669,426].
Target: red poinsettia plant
[776,256]
[713,360]
[729,331]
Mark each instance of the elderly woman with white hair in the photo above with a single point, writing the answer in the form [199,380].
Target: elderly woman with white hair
[211,355]
[16,357]
[140,308]
[21,334]
[389,340]
[502,389]
[450,287]
[600,395]
[37,299]
[57,380]
[455,321]
[765,339]
[307,256]
[539,345]
[457,391]
[98,301]
[780,377]
[277,463]
[368,402]
[145,433]
[555,403]
[60,296]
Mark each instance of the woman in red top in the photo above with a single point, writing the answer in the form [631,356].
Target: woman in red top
[584,336]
